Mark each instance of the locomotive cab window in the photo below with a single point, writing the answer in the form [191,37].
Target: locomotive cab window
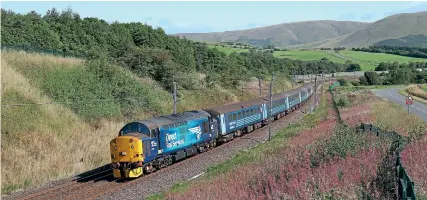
[205,126]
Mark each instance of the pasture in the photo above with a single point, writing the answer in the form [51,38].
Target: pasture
[367,61]
[378,57]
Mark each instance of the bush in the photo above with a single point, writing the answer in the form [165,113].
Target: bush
[355,83]
[342,102]
[343,82]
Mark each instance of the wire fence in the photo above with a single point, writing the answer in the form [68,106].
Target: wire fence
[405,185]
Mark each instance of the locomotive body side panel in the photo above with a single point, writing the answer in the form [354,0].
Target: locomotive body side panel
[184,135]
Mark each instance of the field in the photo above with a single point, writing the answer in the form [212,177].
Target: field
[307,55]
[378,57]
[368,61]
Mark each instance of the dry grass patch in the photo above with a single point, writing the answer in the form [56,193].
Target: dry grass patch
[390,116]
[45,142]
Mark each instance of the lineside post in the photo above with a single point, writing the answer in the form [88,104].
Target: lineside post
[271,109]
[292,79]
[174,96]
[315,90]
[259,85]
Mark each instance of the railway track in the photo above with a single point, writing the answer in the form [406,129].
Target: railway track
[58,190]
[101,183]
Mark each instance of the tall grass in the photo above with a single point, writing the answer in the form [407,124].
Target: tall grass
[45,142]
[393,117]
[416,91]
[93,90]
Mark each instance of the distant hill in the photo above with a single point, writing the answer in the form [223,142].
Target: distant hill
[316,34]
[393,27]
[408,41]
[283,34]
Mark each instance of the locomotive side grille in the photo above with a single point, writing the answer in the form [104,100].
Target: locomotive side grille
[147,148]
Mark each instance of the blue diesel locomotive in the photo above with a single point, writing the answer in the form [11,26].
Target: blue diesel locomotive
[145,146]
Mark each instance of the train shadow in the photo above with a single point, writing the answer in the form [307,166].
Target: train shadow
[103,173]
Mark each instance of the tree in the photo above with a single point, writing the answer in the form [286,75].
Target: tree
[354,67]
[372,78]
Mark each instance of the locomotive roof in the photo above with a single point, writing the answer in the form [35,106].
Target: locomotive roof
[174,118]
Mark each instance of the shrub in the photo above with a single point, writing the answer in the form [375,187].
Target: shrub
[355,83]
[343,82]
[342,102]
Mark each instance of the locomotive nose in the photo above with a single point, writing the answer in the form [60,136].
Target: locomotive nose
[126,156]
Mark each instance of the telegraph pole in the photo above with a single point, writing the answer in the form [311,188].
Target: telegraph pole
[174,95]
[292,79]
[323,76]
[315,91]
[270,109]
[259,85]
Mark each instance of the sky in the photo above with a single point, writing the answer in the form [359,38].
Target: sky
[201,17]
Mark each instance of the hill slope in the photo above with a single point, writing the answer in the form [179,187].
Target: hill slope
[283,34]
[393,27]
[409,41]
[316,34]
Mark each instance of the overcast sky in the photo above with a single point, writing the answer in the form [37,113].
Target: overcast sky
[184,17]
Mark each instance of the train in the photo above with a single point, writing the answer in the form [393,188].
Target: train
[145,146]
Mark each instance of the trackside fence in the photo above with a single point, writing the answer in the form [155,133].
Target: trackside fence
[331,87]
[405,185]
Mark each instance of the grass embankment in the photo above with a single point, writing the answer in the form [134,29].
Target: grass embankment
[417,93]
[45,142]
[392,117]
[84,105]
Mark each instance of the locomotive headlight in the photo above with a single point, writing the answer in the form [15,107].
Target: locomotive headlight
[131,146]
[115,147]
[113,156]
